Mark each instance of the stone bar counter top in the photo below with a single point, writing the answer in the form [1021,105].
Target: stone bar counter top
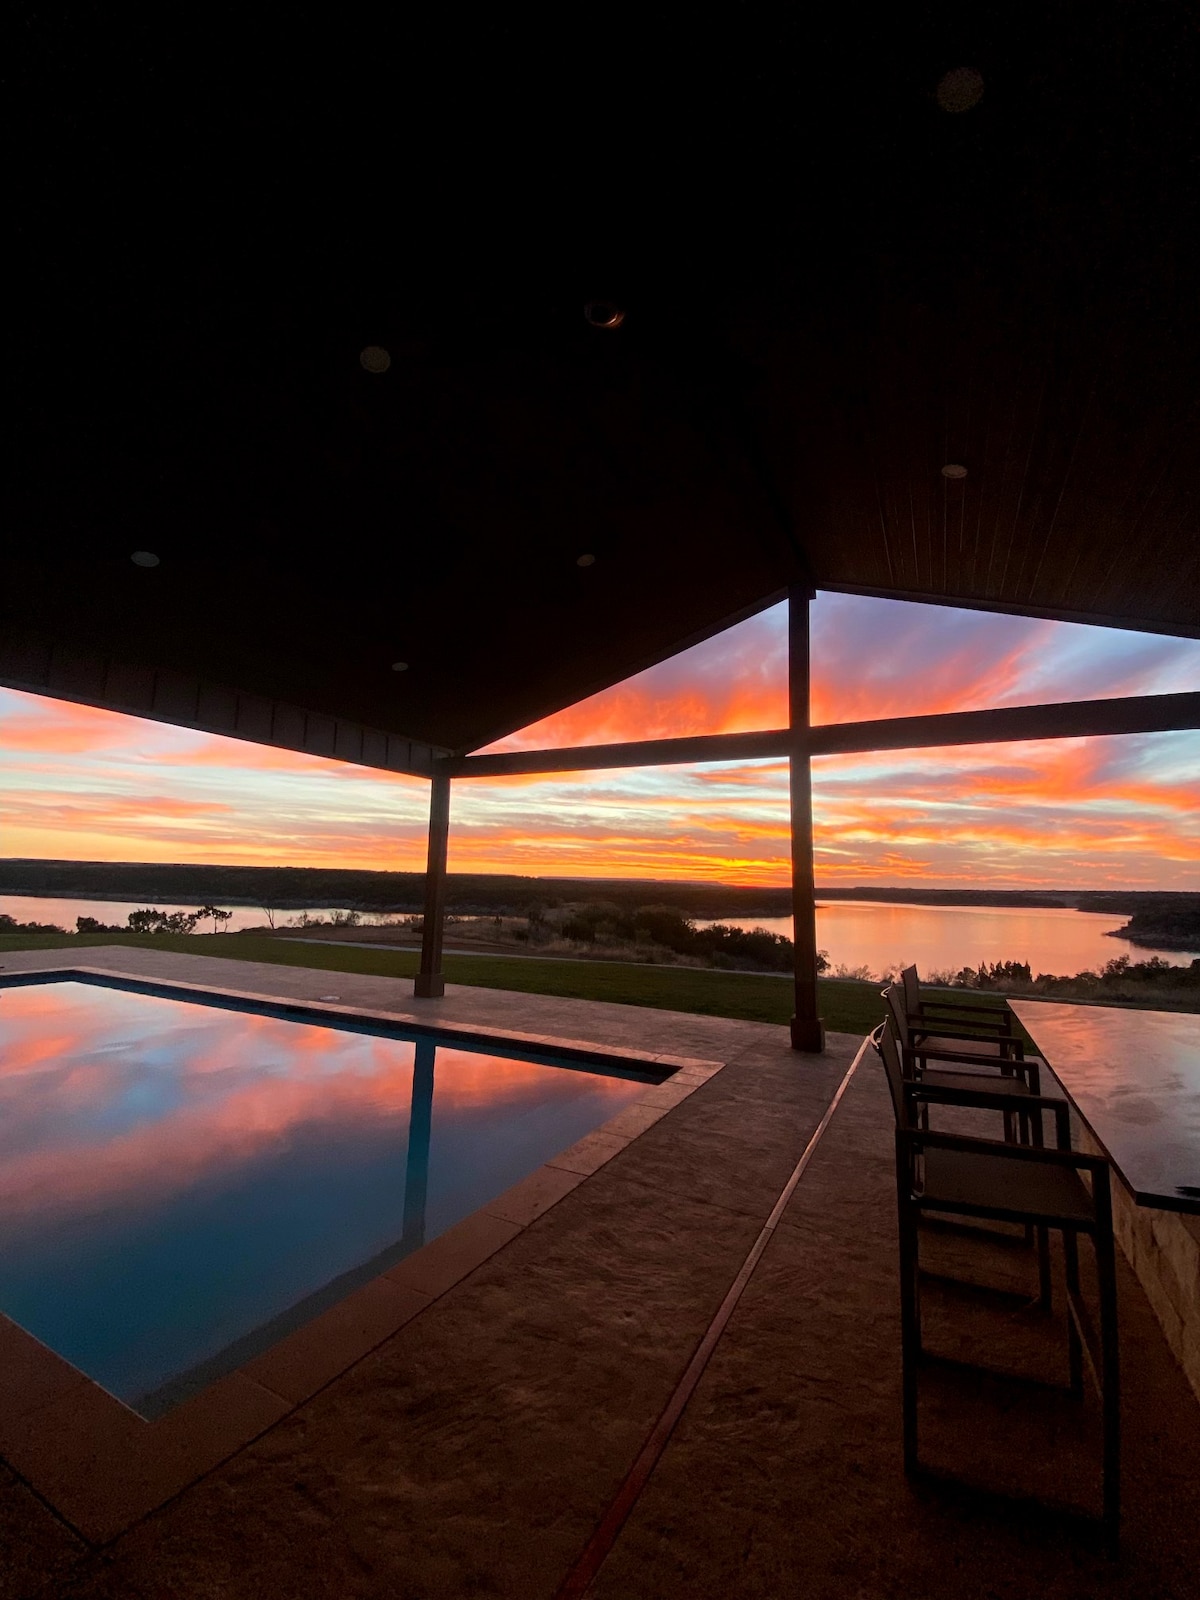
[1134,1078]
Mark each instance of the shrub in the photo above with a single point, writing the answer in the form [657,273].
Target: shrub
[11,925]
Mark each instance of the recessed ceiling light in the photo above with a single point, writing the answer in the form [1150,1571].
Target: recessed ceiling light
[144,558]
[953,469]
[585,561]
[960,89]
[375,358]
[399,666]
[604,314]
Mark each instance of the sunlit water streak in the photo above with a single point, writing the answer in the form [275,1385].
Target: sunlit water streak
[879,935]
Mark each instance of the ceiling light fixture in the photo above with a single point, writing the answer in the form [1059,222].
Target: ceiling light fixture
[399,666]
[604,314]
[954,469]
[585,561]
[960,90]
[375,358]
[144,558]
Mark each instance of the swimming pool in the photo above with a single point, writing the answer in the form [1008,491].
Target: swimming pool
[183,1180]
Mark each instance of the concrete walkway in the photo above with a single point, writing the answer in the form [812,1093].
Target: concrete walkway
[617,1026]
[475,1451]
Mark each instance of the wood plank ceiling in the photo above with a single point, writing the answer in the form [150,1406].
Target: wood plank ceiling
[834,284]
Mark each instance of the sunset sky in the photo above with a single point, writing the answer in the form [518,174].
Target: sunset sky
[92,785]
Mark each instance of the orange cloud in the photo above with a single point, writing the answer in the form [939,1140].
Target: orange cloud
[59,727]
[630,712]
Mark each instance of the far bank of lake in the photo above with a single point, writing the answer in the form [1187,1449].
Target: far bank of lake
[856,934]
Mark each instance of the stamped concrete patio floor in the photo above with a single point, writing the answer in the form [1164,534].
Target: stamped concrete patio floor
[476,1450]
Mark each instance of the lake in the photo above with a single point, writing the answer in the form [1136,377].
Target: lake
[855,933]
[63,912]
[878,935]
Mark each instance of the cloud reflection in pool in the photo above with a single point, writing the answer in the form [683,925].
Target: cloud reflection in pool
[174,1176]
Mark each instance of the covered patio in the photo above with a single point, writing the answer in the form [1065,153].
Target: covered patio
[386,471]
[495,1442]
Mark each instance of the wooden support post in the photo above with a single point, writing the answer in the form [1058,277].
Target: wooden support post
[430,983]
[808,1031]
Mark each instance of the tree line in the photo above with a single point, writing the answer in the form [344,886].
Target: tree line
[147,920]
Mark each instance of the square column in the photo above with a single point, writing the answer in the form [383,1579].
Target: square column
[808,1031]
[430,984]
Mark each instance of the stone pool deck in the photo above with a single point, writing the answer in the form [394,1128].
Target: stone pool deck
[477,1448]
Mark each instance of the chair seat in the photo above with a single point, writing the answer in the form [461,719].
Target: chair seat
[983,1049]
[972,1180]
[971,1081]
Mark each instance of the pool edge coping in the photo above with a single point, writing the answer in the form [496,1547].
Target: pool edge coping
[102,1467]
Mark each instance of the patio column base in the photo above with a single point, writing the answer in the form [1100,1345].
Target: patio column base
[808,1034]
[429,986]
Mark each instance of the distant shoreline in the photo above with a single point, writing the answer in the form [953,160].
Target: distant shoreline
[287,889]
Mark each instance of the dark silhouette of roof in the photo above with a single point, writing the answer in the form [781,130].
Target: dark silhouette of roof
[837,254]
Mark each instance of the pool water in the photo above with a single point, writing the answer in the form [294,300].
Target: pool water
[181,1183]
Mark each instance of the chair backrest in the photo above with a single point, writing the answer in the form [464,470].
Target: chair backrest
[911,980]
[884,1040]
[894,998]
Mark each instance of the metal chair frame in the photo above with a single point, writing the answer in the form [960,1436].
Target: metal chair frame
[1097,1348]
[1010,1064]
[1018,1081]
[959,1013]
[1001,1051]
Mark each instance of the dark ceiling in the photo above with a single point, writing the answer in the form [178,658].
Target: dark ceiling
[833,285]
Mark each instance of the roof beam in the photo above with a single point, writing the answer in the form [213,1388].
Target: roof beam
[1071,719]
[639,753]
[1065,719]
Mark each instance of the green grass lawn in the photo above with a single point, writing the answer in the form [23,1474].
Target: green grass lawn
[847,1007]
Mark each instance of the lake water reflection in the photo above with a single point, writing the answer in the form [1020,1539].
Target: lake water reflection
[879,935]
[62,911]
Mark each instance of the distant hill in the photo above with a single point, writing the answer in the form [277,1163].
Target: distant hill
[298,888]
